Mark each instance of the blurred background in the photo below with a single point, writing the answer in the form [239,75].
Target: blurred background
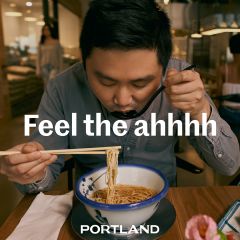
[201,31]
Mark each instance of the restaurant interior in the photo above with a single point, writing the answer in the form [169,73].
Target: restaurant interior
[201,30]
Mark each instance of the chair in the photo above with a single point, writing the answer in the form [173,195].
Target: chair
[231,97]
[181,163]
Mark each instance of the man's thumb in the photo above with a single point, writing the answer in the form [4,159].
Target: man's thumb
[31,147]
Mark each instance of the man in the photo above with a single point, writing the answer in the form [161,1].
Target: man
[126,48]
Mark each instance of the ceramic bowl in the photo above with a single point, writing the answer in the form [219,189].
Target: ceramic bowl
[125,215]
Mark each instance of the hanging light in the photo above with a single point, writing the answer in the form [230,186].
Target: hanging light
[196,35]
[28,4]
[220,30]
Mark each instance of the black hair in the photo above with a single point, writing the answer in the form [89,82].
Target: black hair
[234,44]
[126,25]
[51,29]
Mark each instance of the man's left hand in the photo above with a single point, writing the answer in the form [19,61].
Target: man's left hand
[186,92]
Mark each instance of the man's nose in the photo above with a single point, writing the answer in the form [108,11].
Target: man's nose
[123,97]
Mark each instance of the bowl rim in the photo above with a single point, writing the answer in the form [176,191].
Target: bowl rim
[117,207]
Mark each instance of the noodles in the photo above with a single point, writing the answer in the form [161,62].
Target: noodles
[112,167]
[124,194]
[119,194]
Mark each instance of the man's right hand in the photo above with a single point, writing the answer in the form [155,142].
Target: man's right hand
[28,166]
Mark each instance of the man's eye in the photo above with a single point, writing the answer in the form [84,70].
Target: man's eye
[140,84]
[106,82]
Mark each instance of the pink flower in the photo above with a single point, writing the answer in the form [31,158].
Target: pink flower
[201,227]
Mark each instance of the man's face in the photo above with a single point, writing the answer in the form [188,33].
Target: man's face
[123,80]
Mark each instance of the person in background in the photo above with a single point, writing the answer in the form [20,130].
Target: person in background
[49,56]
[230,75]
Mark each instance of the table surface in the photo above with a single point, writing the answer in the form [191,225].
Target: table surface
[188,201]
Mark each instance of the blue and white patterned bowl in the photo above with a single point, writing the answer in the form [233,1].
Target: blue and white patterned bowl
[123,214]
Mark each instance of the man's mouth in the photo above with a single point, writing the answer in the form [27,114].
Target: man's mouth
[125,115]
[133,113]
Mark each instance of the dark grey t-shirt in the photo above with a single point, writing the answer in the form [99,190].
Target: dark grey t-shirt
[70,93]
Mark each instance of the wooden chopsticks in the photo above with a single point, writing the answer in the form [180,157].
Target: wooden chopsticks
[75,151]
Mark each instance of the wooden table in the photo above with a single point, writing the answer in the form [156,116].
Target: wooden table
[188,201]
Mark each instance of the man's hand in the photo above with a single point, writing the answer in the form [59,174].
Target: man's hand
[28,166]
[186,92]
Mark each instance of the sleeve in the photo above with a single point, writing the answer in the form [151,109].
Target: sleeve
[50,109]
[221,152]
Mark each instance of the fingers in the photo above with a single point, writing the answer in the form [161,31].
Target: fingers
[174,77]
[27,166]
[187,97]
[171,72]
[30,152]
[185,106]
[186,87]
[20,147]
[22,158]
[186,92]
[34,179]
[32,147]
[23,168]
[40,167]
[34,174]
